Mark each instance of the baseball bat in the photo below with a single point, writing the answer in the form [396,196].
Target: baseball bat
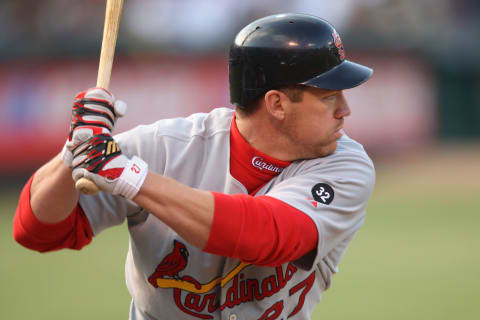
[113,13]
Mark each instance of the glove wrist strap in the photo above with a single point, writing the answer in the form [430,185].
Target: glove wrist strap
[132,178]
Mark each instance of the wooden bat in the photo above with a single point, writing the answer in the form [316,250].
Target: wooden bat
[113,13]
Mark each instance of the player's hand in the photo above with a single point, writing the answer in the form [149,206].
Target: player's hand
[94,111]
[100,159]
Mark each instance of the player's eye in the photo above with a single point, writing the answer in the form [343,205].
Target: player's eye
[331,97]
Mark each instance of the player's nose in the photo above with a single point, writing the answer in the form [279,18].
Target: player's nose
[343,109]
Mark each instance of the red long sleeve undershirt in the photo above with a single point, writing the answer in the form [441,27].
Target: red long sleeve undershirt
[260,230]
[74,232]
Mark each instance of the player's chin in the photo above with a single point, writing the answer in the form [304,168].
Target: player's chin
[324,150]
[332,147]
[338,134]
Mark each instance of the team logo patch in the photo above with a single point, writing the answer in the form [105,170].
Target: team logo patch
[339,45]
[171,265]
[323,193]
[261,164]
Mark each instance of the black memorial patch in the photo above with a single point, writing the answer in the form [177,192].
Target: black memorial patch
[323,193]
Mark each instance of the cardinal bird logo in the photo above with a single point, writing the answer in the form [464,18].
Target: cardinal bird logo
[339,45]
[171,265]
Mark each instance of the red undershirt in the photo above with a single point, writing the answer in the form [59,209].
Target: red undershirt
[73,233]
[260,230]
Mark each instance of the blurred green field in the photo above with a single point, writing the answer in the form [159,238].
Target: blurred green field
[416,257]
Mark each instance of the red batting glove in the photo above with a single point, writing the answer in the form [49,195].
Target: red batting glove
[100,159]
[95,111]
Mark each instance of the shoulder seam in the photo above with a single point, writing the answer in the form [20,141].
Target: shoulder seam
[187,137]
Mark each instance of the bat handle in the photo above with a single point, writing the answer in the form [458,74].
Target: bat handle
[86,186]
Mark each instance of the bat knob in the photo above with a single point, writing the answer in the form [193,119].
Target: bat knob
[87,186]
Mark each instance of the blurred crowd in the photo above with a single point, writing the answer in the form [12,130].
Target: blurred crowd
[59,27]
[424,52]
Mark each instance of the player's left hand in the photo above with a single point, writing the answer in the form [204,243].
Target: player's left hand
[100,159]
[94,111]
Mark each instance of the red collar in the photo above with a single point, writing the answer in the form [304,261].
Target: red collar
[250,166]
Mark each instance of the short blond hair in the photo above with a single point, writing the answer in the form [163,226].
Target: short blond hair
[294,92]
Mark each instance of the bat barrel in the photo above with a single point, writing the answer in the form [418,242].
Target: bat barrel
[113,13]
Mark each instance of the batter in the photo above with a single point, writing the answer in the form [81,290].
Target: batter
[238,213]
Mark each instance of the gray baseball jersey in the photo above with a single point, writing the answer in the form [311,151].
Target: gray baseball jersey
[170,279]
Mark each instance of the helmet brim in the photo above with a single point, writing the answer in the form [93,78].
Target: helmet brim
[346,75]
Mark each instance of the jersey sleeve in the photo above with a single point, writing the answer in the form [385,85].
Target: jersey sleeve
[105,210]
[333,191]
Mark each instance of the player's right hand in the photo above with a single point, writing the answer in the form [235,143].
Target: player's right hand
[100,160]
[95,111]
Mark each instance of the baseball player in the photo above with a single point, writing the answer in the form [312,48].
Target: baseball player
[233,214]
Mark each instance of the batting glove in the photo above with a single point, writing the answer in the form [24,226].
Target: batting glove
[100,159]
[95,111]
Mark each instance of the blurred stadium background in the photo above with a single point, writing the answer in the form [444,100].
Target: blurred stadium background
[418,117]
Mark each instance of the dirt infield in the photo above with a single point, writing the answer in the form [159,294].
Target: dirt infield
[450,167]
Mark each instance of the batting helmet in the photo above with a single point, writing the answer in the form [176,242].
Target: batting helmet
[288,49]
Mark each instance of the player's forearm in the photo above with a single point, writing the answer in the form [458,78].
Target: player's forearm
[52,194]
[186,210]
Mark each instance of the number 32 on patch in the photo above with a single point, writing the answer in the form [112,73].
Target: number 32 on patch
[323,193]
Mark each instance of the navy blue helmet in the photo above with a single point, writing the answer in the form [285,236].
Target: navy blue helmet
[287,49]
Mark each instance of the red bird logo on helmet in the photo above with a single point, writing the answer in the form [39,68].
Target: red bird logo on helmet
[172,264]
[338,43]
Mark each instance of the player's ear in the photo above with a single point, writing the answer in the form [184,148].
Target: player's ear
[275,103]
